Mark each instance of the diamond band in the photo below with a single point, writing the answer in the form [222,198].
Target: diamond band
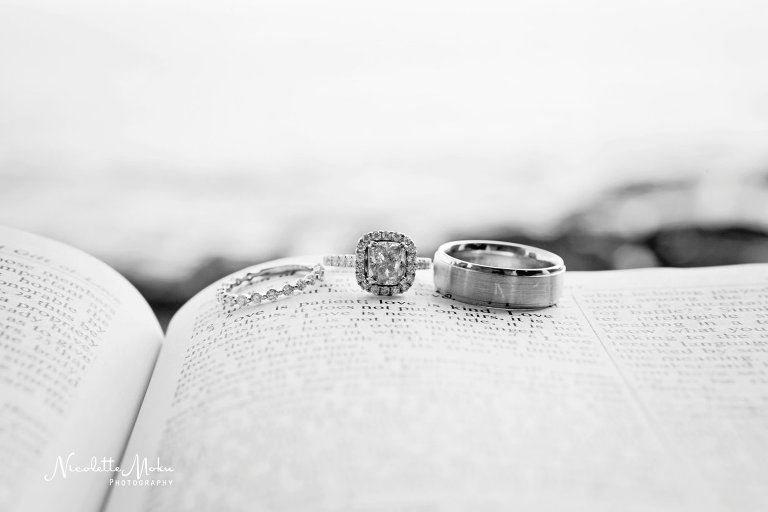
[238,300]
[339,260]
[385,262]
[349,260]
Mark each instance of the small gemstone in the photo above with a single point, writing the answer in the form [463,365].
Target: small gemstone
[242,300]
[271,294]
[256,298]
[374,289]
[288,289]
[310,278]
[301,284]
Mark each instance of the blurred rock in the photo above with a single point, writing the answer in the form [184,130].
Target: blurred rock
[633,226]
[702,247]
[658,224]
[634,256]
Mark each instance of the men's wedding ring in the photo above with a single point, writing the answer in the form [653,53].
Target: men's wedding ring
[233,300]
[385,262]
[498,274]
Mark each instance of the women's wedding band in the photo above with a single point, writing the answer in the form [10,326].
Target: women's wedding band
[385,262]
[498,274]
[229,299]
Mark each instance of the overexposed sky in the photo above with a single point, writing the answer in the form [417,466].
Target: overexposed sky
[89,85]
[152,113]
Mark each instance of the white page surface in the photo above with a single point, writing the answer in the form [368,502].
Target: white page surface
[339,400]
[78,344]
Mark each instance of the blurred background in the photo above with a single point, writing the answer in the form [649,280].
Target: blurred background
[180,141]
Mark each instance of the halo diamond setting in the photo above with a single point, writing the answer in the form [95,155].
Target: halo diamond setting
[385,262]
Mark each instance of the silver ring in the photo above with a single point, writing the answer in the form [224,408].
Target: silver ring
[498,274]
[385,262]
[239,300]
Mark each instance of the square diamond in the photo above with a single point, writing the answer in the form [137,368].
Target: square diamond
[386,262]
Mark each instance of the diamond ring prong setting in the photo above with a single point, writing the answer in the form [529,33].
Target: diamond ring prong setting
[385,262]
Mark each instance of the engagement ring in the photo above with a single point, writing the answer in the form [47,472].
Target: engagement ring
[385,262]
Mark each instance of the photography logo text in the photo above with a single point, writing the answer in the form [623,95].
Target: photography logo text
[136,472]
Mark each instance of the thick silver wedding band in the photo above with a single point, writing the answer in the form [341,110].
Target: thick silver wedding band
[498,274]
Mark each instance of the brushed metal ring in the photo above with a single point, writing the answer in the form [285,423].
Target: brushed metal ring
[498,274]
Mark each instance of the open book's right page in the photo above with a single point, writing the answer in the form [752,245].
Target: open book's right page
[641,390]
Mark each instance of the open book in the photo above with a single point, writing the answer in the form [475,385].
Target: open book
[641,390]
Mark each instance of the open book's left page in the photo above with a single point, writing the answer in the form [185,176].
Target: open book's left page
[77,347]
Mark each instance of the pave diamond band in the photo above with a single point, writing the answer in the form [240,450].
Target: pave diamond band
[385,262]
[348,260]
[232,300]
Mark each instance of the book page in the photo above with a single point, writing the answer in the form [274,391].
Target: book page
[78,344]
[640,391]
